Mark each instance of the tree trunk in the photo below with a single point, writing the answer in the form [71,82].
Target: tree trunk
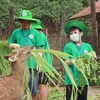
[0,30]
[63,35]
[11,20]
[93,23]
[99,39]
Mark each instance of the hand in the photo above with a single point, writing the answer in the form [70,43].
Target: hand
[70,62]
[40,54]
[14,46]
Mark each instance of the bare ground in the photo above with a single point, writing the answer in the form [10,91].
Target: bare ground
[94,93]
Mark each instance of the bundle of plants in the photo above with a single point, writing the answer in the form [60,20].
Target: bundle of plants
[5,68]
[48,69]
[89,65]
[54,74]
[86,64]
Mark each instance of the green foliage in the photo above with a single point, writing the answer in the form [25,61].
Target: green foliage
[5,5]
[54,9]
[56,94]
[40,61]
[97,97]
[89,65]
[5,68]
[43,9]
[4,14]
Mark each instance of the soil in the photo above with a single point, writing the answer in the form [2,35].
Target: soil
[94,93]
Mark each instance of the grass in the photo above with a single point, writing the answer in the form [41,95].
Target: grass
[56,94]
[5,68]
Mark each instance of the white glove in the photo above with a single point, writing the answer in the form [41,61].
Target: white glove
[39,66]
[14,46]
[73,60]
[70,62]
[40,54]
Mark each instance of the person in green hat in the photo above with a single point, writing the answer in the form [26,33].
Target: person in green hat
[43,79]
[76,30]
[24,36]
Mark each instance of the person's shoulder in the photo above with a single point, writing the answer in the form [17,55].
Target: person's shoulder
[68,47]
[86,44]
[16,30]
[34,31]
[43,35]
[70,43]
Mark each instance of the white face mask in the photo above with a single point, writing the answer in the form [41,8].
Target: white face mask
[75,37]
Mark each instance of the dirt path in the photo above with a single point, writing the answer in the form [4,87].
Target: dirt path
[93,93]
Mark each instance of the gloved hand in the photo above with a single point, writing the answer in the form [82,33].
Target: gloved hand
[14,45]
[70,62]
[39,67]
[40,54]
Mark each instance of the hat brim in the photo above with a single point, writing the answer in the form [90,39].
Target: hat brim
[75,23]
[21,18]
[36,26]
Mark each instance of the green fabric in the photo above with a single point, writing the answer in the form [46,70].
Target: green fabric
[75,23]
[75,51]
[27,38]
[47,56]
[36,25]
[25,15]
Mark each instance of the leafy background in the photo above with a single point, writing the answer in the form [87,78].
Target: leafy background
[43,9]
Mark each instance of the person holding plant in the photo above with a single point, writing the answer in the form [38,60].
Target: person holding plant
[76,30]
[24,36]
[43,79]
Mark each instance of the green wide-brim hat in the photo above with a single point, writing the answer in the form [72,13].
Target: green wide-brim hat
[25,15]
[75,23]
[37,25]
